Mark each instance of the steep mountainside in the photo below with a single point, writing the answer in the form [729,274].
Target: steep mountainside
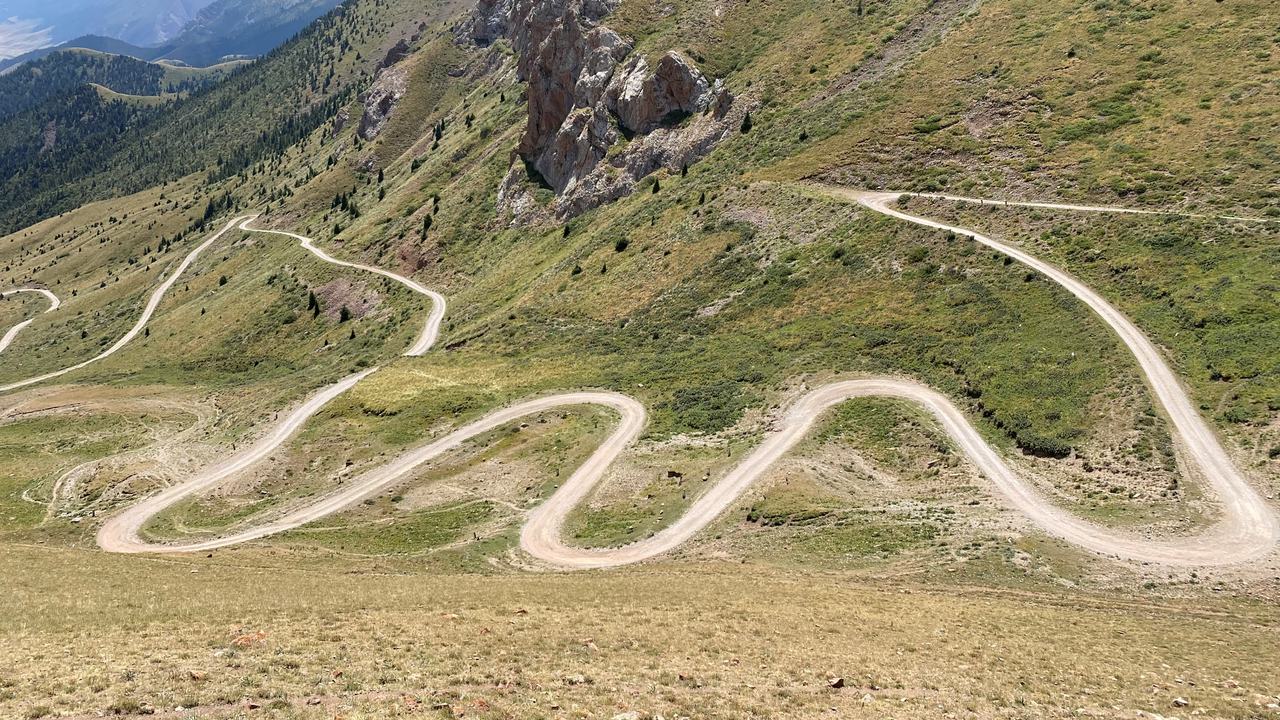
[599,133]
[260,110]
[242,28]
[224,30]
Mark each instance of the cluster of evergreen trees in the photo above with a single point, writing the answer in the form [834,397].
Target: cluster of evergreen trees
[76,147]
[32,83]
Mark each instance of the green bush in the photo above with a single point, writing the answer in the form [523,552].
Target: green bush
[124,706]
[1042,445]
[705,408]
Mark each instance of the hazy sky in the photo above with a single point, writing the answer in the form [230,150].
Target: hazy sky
[31,24]
[18,36]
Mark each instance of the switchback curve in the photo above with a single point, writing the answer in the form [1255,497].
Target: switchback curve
[1255,523]
[432,329]
[54,304]
[1248,530]
[147,311]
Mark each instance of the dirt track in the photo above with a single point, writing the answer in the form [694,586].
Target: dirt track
[54,304]
[150,308]
[1249,528]
[432,329]
[425,341]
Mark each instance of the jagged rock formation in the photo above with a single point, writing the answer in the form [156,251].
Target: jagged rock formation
[394,55]
[675,87]
[588,95]
[340,121]
[380,100]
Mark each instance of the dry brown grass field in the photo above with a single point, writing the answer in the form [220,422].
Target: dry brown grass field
[257,633]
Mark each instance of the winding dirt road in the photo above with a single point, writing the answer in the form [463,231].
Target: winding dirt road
[54,304]
[1249,522]
[429,333]
[1044,205]
[150,309]
[120,534]
[1248,530]
[432,329]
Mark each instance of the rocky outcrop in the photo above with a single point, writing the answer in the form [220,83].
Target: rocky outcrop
[394,55]
[340,121]
[380,101]
[569,103]
[675,89]
[587,94]
[50,137]
[487,23]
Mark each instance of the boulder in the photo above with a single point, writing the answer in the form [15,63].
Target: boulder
[675,88]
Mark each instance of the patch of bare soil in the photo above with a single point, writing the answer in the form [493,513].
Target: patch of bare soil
[413,255]
[356,297]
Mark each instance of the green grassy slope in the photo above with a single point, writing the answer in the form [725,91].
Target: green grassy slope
[707,299]
[1144,103]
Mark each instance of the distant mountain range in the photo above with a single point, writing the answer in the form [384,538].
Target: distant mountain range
[138,22]
[192,32]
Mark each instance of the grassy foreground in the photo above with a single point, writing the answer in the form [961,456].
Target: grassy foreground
[113,634]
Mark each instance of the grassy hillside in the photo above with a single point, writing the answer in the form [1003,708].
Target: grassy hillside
[711,300]
[1141,103]
[716,297]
